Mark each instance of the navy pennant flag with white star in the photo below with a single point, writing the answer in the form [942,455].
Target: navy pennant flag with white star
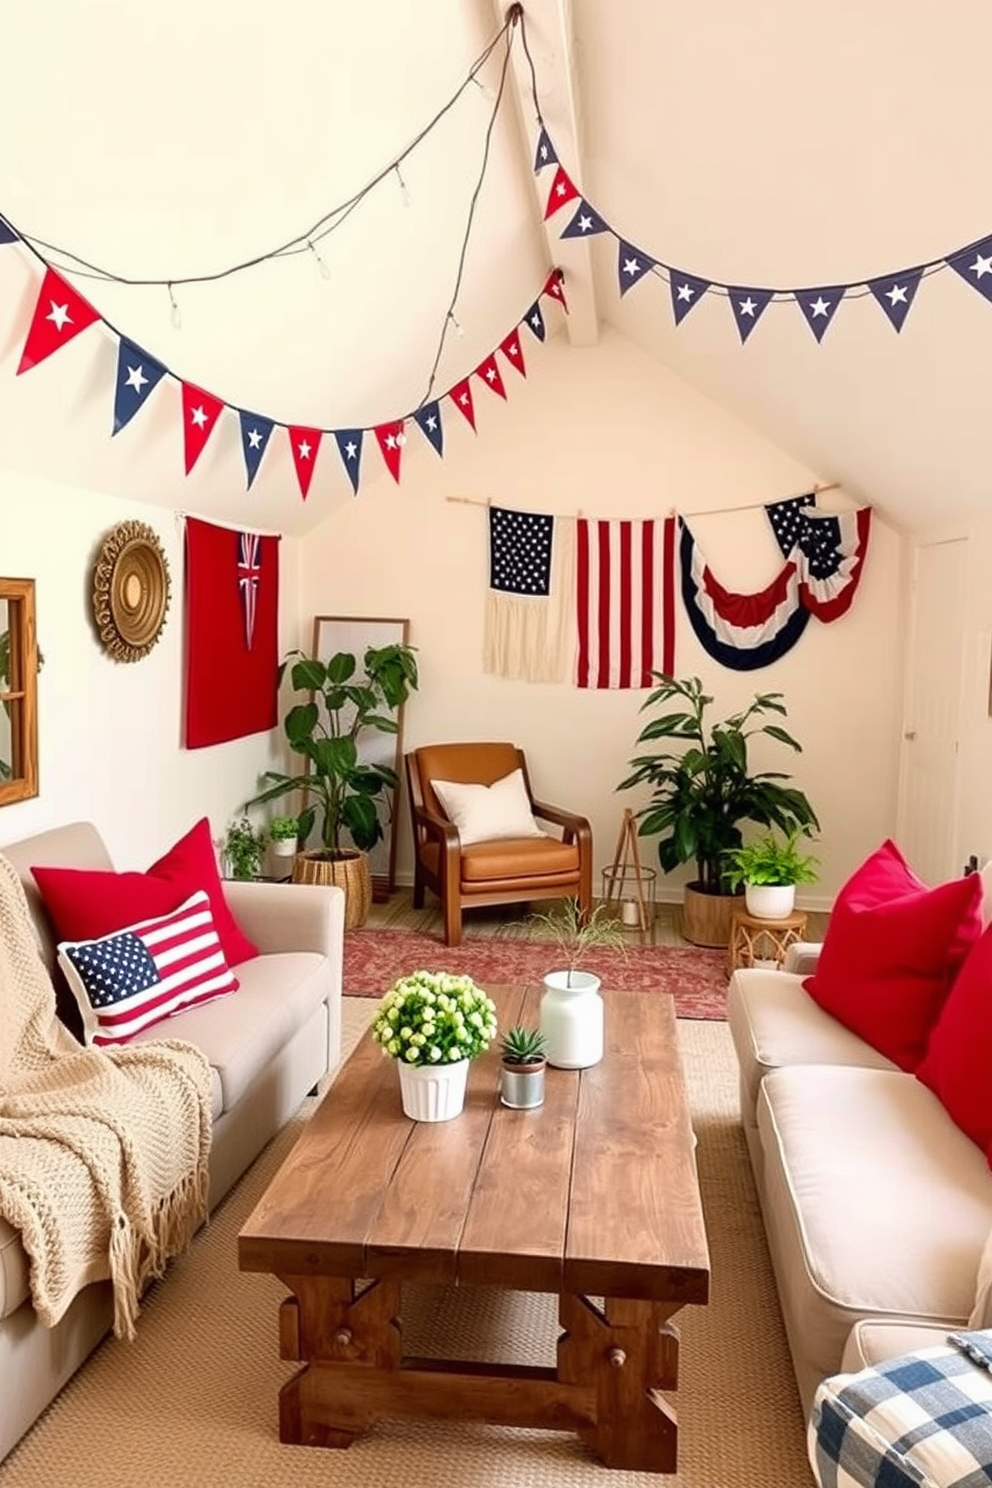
[974,264]
[687,291]
[7,233]
[585,224]
[255,432]
[819,306]
[895,294]
[535,321]
[350,450]
[137,374]
[632,265]
[545,153]
[429,420]
[748,306]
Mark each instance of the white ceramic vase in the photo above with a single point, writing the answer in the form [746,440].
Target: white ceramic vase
[433,1092]
[769,901]
[572,1019]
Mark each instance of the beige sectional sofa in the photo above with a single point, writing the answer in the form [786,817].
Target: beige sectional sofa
[876,1206]
[268,1044]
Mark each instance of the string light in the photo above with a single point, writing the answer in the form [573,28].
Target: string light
[177,314]
[456,324]
[325,272]
[328,223]
[399,177]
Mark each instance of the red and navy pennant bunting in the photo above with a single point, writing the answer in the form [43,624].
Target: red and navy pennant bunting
[60,313]
[894,292]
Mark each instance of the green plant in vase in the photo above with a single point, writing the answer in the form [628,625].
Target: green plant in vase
[574,936]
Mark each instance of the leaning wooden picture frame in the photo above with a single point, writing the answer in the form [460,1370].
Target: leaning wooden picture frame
[356,633]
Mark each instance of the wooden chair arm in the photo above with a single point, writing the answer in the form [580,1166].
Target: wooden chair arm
[576,826]
[437,826]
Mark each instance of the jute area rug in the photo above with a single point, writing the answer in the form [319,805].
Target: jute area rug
[192,1403]
[697,979]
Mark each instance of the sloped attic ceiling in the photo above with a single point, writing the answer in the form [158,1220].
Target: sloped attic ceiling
[770,143]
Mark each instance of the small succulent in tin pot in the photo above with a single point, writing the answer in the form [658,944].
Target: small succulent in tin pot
[524,1066]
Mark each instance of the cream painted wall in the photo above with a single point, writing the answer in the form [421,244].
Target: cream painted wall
[606,431]
[109,732]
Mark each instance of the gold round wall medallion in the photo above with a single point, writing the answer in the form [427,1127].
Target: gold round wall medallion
[130,590]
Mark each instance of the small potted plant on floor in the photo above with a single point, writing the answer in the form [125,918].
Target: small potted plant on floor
[243,848]
[769,868]
[571,1007]
[523,1068]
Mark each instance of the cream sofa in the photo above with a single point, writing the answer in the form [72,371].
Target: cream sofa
[876,1206]
[268,1045]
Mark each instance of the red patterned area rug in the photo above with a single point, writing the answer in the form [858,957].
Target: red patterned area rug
[697,979]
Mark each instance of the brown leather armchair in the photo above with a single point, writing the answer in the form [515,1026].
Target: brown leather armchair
[503,871]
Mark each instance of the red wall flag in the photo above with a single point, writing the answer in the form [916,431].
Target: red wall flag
[625,601]
[231,664]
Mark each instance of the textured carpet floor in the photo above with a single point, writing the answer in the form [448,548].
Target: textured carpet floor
[697,979]
[192,1403]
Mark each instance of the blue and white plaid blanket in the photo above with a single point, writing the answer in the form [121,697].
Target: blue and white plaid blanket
[920,1421]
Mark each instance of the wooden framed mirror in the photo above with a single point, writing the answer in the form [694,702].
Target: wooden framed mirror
[18,692]
[333,633]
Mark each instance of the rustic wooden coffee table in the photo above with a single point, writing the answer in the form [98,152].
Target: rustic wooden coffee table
[592,1195]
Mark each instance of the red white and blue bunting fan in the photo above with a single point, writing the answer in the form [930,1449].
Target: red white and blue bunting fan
[825,554]
[893,292]
[61,312]
[828,548]
[740,631]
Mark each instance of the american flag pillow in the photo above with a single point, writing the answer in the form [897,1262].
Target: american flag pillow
[137,976]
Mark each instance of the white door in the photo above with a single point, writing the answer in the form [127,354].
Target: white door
[928,776]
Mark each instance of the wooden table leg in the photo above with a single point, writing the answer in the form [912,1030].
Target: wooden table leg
[629,1353]
[325,1322]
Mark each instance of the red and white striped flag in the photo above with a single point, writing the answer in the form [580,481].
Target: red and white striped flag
[625,601]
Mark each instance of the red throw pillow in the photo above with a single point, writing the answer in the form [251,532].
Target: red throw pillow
[85,903]
[958,1060]
[891,952]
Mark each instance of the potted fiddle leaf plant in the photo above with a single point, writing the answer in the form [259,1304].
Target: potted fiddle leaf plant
[705,788]
[769,868]
[339,701]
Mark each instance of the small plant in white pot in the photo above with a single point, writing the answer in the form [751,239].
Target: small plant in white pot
[769,868]
[284,832]
[571,1007]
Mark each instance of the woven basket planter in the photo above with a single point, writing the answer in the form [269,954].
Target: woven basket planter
[706,918]
[349,872]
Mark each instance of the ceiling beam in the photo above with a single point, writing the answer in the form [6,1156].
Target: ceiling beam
[551,42]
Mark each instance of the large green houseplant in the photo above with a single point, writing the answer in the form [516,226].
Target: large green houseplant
[703,789]
[340,702]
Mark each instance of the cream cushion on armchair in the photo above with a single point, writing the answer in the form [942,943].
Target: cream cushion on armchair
[489,813]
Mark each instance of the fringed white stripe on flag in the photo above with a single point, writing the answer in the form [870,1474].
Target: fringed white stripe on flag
[531,637]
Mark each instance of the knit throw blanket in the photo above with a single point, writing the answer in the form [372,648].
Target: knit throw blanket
[103,1152]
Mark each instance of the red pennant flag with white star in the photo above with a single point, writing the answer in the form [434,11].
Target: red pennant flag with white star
[304,443]
[391,441]
[200,412]
[556,289]
[490,374]
[513,351]
[59,315]
[561,193]
[461,396]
